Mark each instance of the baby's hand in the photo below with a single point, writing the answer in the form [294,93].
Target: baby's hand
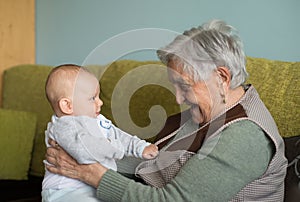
[150,152]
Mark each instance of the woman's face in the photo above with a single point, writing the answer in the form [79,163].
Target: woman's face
[198,95]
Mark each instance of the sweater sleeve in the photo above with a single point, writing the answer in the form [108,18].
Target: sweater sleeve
[81,138]
[133,146]
[130,144]
[240,156]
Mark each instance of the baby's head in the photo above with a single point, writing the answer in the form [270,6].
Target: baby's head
[72,90]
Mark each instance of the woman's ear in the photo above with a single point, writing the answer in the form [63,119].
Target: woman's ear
[65,106]
[224,75]
[224,78]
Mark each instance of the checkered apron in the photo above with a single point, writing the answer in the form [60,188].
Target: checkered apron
[160,171]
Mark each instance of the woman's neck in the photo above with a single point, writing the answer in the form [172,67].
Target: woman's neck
[234,96]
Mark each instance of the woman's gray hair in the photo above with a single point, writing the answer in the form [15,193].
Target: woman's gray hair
[201,50]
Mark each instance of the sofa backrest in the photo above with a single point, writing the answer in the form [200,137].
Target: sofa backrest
[137,96]
[133,90]
[278,84]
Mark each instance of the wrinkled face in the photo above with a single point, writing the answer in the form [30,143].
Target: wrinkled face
[202,96]
[86,99]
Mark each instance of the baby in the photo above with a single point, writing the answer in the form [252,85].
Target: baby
[80,129]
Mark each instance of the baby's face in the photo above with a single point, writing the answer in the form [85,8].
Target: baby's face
[86,101]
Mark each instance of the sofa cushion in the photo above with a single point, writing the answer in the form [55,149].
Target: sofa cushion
[137,96]
[23,89]
[292,179]
[17,131]
[278,84]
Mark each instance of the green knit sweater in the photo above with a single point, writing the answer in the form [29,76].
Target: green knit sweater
[241,155]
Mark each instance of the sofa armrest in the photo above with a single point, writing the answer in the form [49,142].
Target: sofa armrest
[21,190]
[292,181]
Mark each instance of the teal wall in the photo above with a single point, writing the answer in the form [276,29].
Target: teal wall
[68,31]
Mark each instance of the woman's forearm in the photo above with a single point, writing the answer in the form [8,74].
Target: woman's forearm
[92,173]
[208,179]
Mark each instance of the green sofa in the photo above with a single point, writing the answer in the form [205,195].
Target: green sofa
[137,98]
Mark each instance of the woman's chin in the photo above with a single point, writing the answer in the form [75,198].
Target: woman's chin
[197,118]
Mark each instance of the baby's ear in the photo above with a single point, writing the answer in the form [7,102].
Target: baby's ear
[65,105]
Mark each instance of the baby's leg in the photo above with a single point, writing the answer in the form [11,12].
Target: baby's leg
[86,194]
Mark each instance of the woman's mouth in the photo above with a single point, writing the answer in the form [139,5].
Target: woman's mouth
[195,110]
[194,107]
[196,113]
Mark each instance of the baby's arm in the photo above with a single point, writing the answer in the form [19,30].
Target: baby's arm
[133,145]
[150,151]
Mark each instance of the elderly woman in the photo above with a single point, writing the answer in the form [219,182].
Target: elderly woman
[230,148]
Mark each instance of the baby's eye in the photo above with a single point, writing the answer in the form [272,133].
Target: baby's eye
[93,98]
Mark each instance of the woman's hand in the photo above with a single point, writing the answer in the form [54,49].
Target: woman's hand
[64,164]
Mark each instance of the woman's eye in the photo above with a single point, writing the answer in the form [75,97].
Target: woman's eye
[184,87]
